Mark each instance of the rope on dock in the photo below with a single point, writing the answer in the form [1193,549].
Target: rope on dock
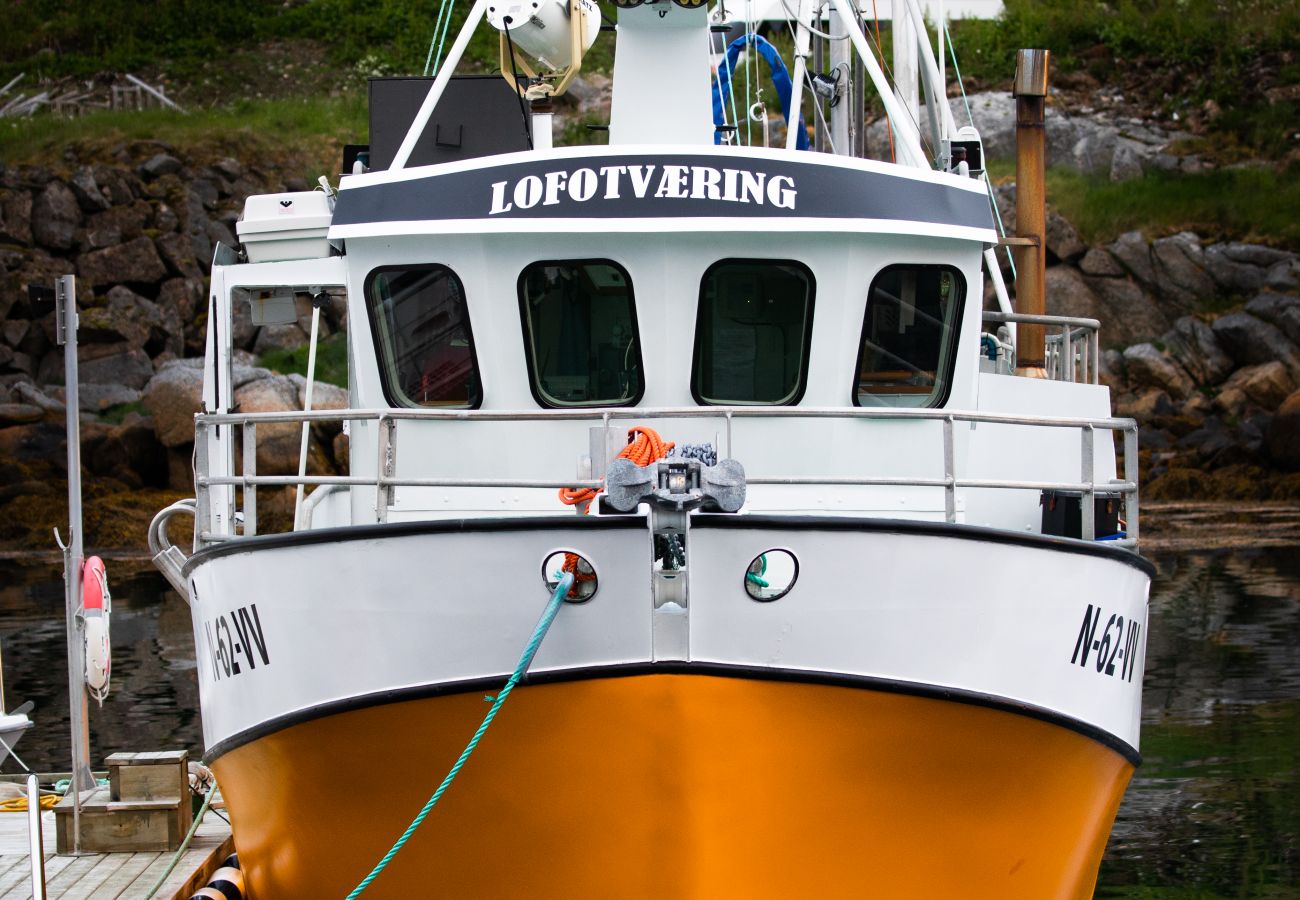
[543,626]
[207,801]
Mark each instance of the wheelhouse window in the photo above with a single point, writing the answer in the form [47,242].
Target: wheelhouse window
[910,336]
[421,325]
[580,334]
[752,333]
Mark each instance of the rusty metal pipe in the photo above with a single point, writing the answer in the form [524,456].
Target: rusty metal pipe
[1031,205]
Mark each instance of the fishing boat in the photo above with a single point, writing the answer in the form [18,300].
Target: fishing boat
[856,607]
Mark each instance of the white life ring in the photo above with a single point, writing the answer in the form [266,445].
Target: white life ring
[96,604]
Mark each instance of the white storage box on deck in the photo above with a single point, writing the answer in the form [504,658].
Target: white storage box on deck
[276,227]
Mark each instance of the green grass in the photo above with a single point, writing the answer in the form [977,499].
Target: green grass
[331,360]
[1249,204]
[308,129]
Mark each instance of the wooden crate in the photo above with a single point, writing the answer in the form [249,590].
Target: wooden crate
[145,807]
[149,776]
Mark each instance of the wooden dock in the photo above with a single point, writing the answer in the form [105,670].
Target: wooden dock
[108,876]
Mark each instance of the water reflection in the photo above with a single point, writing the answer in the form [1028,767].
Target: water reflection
[1215,809]
[153,704]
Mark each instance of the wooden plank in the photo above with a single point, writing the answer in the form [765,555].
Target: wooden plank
[156,782]
[53,865]
[90,883]
[145,880]
[15,871]
[127,876]
[200,872]
[66,879]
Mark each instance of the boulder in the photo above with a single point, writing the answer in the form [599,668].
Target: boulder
[135,262]
[131,452]
[1282,438]
[1099,262]
[87,190]
[125,317]
[1126,161]
[130,368]
[1131,315]
[16,217]
[278,444]
[1179,264]
[1134,254]
[178,252]
[158,165]
[1062,239]
[173,396]
[1194,345]
[10,259]
[30,394]
[1240,268]
[278,337]
[1250,341]
[96,398]
[115,225]
[55,217]
[1145,405]
[1284,276]
[1265,385]
[323,396]
[185,295]
[1210,440]
[1110,371]
[228,168]
[117,185]
[19,414]
[1147,366]
[1280,311]
[1069,295]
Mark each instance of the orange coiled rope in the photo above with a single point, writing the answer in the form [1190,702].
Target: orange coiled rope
[644,446]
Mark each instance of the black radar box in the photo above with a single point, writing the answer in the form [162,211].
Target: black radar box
[477,115]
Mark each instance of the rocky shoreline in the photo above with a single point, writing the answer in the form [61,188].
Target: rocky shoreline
[1201,341]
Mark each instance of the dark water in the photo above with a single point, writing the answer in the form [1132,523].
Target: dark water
[1213,812]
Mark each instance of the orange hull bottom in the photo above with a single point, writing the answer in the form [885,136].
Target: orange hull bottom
[677,786]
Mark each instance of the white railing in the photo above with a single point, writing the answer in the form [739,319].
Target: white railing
[387,480]
[1073,353]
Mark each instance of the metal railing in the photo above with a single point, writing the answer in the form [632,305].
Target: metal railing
[1073,354]
[386,480]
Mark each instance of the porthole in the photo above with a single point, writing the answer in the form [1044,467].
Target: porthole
[771,575]
[585,580]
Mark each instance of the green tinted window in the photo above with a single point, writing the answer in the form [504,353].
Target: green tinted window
[909,336]
[421,324]
[580,334]
[752,332]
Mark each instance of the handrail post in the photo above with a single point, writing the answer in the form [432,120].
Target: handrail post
[1088,503]
[949,474]
[202,495]
[1067,351]
[36,840]
[1085,347]
[250,469]
[729,453]
[1096,357]
[385,468]
[1131,476]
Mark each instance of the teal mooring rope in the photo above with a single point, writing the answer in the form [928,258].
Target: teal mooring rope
[543,626]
